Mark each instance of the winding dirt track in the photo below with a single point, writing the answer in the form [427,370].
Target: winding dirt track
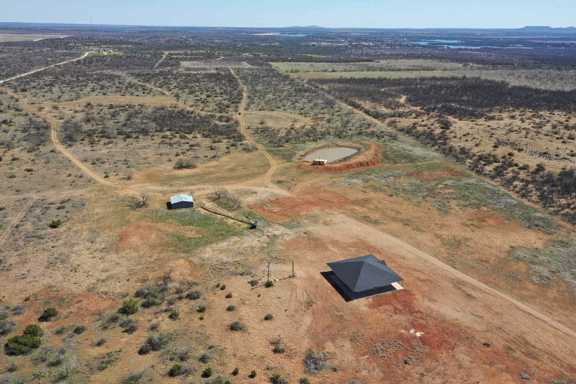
[54,137]
[265,179]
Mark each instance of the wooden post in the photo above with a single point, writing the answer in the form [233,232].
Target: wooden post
[268,271]
[293,271]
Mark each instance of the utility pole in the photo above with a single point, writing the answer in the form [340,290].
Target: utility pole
[293,271]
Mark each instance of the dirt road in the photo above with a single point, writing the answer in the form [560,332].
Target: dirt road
[15,221]
[159,62]
[55,139]
[45,68]
[265,179]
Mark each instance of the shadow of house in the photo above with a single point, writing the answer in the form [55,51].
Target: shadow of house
[362,277]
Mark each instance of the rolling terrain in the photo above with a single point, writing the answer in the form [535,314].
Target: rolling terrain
[101,283]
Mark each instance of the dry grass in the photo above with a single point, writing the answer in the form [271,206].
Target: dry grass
[556,80]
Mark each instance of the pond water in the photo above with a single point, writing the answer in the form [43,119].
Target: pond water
[331,154]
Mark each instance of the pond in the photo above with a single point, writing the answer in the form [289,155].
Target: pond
[331,154]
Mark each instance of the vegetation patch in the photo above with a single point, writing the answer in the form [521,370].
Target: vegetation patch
[24,344]
[556,260]
[464,192]
[212,229]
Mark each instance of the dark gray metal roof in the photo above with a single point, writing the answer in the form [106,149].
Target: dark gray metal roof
[364,273]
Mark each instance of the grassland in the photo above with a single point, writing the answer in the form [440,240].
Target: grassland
[538,79]
[547,79]
[367,66]
[442,186]
[209,229]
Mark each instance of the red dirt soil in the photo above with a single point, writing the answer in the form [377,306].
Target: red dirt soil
[284,209]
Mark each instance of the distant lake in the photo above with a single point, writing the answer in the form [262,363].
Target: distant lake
[459,44]
[438,41]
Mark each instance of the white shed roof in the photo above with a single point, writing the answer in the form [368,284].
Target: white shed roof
[181,198]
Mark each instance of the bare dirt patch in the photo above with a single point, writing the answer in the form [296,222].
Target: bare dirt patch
[284,209]
[276,119]
[146,235]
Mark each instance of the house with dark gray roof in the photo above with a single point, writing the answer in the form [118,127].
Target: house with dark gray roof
[361,277]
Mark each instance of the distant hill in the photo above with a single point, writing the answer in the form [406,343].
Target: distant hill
[306,27]
[545,28]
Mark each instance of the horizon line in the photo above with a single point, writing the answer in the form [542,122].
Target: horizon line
[84,24]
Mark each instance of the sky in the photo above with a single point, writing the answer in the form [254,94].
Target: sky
[279,13]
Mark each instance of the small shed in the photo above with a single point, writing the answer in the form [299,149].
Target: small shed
[361,277]
[181,201]
[319,162]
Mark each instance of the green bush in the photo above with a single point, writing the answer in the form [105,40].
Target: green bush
[278,346]
[128,326]
[133,378]
[34,331]
[277,379]
[176,370]
[237,326]
[207,372]
[184,164]
[129,307]
[174,315]
[48,315]
[56,223]
[154,343]
[22,345]
[194,295]
[205,358]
